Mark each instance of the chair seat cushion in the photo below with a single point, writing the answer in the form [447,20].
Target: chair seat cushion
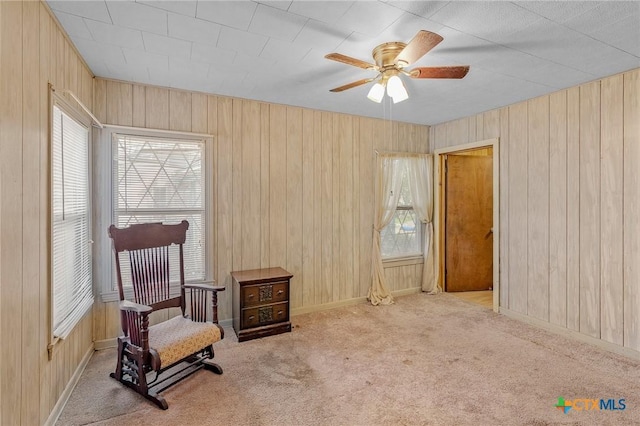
[180,337]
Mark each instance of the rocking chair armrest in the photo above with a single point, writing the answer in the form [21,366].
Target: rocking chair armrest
[198,301]
[126,305]
[205,287]
[135,323]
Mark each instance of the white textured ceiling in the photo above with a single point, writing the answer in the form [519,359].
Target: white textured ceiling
[274,50]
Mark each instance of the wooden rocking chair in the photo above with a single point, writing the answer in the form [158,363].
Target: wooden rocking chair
[171,350]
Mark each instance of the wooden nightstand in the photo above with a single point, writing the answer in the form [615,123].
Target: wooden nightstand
[260,302]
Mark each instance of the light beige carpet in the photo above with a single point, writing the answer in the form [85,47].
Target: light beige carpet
[426,360]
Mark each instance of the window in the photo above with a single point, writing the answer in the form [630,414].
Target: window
[161,179]
[402,237]
[71,214]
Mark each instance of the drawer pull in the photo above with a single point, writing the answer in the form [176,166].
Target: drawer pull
[280,313]
[250,295]
[280,292]
[252,317]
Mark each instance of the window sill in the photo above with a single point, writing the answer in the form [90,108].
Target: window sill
[402,261]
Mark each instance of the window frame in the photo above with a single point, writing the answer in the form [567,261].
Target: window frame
[105,209]
[405,258]
[57,101]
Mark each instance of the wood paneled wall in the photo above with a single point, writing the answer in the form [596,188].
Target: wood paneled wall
[34,52]
[293,188]
[569,205]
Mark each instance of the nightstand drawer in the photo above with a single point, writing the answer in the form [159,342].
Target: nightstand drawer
[265,315]
[262,294]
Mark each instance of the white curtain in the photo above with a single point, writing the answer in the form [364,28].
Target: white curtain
[388,180]
[420,170]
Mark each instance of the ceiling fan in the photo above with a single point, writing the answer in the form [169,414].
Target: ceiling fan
[390,61]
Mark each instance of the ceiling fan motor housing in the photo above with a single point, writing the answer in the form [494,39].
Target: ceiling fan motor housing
[385,55]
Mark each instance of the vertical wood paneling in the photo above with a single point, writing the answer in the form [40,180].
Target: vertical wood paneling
[293,168]
[211,127]
[355,216]
[224,200]
[573,208]
[491,125]
[473,128]
[308,198]
[250,189]
[87,82]
[505,175]
[179,110]
[99,99]
[518,208]
[44,379]
[71,72]
[156,108]
[326,206]
[31,163]
[631,159]
[590,209]
[458,132]
[343,133]
[558,208]
[53,45]
[199,113]
[139,98]
[439,136]
[336,264]
[61,58]
[119,103]
[264,185]
[611,210]
[11,211]
[480,127]
[236,183]
[538,208]
[278,185]
[317,210]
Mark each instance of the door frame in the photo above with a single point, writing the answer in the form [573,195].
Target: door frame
[439,235]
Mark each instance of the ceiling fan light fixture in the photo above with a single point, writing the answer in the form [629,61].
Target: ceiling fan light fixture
[396,90]
[400,96]
[376,93]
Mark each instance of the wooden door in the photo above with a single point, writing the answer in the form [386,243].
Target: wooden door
[468,223]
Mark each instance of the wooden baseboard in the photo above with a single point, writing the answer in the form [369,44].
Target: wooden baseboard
[348,302]
[66,394]
[105,344]
[572,334]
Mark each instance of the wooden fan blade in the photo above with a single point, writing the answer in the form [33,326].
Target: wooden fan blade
[419,45]
[439,72]
[352,85]
[350,61]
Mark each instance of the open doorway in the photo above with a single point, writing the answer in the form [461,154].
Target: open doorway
[466,221]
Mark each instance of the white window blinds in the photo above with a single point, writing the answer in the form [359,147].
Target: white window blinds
[159,179]
[71,213]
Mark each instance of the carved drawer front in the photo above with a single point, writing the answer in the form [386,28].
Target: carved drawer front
[265,293]
[264,315]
